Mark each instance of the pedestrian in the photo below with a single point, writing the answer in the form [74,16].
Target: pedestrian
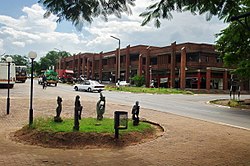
[44,82]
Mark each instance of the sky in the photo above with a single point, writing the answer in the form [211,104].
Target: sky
[23,29]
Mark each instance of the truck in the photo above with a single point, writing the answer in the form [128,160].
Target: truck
[66,75]
[21,73]
[4,75]
[51,78]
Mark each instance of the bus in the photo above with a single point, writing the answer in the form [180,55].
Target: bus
[21,73]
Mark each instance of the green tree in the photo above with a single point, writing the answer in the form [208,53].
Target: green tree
[234,46]
[139,80]
[77,11]
[51,59]
[223,9]
[18,59]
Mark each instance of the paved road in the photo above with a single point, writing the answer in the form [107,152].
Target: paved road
[194,106]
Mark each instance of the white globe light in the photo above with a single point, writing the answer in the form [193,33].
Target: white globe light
[32,55]
[9,59]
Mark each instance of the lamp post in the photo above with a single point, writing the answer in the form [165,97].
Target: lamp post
[118,59]
[32,55]
[9,60]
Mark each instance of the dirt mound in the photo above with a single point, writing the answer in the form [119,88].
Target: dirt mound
[79,140]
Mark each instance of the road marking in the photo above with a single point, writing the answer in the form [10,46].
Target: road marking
[233,126]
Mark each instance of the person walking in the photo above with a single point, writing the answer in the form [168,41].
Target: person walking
[44,82]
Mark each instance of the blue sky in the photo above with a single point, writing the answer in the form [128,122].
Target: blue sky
[23,28]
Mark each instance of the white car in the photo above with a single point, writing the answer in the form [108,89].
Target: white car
[122,83]
[90,86]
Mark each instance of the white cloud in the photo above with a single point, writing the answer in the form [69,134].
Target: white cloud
[31,31]
[18,43]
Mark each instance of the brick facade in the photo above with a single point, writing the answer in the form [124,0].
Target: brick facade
[186,65]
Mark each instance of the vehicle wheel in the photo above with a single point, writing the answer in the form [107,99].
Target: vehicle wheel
[55,84]
[99,91]
[89,89]
[76,88]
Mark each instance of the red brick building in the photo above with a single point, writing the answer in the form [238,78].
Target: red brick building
[186,65]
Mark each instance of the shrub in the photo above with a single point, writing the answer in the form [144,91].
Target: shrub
[139,80]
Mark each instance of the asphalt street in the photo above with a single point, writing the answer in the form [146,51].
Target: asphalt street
[193,106]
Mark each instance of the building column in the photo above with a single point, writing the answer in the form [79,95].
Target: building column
[83,66]
[225,80]
[140,65]
[208,78]
[116,65]
[173,59]
[93,68]
[100,65]
[183,68]
[199,79]
[88,68]
[127,64]
[78,66]
[148,68]
[74,63]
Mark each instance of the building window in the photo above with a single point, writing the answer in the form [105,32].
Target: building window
[207,59]
[144,61]
[104,61]
[153,61]
[218,59]
[193,57]
[134,57]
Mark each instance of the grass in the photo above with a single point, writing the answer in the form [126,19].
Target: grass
[148,90]
[86,125]
[233,103]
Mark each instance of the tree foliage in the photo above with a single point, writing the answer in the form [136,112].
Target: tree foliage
[223,9]
[234,46]
[50,60]
[78,11]
[18,59]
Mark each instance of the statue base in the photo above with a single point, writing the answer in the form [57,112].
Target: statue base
[57,119]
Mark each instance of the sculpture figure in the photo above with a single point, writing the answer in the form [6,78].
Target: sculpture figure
[77,114]
[100,107]
[57,118]
[135,113]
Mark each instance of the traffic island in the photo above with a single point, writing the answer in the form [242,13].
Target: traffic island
[47,133]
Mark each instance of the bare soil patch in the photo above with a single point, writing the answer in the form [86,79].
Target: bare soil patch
[79,140]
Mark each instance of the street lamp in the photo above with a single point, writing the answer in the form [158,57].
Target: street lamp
[32,55]
[9,60]
[118,59]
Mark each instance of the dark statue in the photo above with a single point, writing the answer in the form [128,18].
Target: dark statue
[135,113]
[77,114]
[100,107]
[235,88]
[57,118]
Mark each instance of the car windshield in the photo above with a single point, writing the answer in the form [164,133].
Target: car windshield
[94,83]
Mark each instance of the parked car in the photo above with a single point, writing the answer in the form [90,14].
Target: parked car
[90,86]
[122,83]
